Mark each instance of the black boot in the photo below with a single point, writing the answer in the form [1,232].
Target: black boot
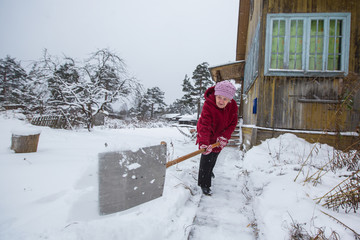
[206,191]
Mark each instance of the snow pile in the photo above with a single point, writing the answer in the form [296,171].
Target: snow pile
[281,203]
[53,193]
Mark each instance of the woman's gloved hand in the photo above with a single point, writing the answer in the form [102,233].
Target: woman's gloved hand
[223,142]
[208,149]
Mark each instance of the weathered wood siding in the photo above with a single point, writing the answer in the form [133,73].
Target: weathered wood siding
[304,104]
[286,6]
[252,87]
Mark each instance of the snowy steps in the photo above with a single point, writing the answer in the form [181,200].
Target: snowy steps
[225,214]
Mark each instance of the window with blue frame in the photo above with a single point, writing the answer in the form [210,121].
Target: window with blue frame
[307,44]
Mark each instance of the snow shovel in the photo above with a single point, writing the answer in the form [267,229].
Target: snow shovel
[128,179]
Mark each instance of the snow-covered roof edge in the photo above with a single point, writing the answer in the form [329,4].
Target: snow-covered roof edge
[225,64]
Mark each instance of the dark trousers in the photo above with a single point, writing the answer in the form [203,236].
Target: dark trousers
[207,164]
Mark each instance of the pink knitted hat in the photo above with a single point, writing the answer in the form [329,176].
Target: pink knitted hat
[226,89]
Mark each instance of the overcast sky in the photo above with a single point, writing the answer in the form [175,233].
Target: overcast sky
[160,40]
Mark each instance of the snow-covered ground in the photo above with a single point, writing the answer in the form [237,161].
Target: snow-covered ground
[53,193]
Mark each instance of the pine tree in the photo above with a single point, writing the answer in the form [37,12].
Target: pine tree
[12,81]
[187,86]
[202,81]
[189,98]
[194,90]
[151,105]
[66,74]
[156,100]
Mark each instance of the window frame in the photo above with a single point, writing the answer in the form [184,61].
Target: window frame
[307,17]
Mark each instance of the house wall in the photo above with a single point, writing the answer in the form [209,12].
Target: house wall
[252,89]
[302,103]
[254,18]
[244,7]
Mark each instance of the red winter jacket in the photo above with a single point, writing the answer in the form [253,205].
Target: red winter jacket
[215,122]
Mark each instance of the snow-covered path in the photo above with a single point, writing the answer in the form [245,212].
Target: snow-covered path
[226,214]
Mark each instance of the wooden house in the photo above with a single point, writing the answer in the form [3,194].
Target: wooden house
[298,62]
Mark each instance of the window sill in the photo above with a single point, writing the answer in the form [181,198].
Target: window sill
[324,101]
[295,73]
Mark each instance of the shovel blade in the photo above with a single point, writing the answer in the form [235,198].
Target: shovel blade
[128,179]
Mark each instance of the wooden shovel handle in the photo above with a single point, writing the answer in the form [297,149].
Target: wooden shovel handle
[180,159]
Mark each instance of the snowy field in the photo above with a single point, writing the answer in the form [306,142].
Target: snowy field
[53,193]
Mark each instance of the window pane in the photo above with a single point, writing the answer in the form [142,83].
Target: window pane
[313,27]
[338,45]
[332,45]
[277,44]
[275,27]
[337,63]
[316,44]
[330,65]
[295,51]
[319,62]
[312,45]
[293,28]
[320,29]
[281,45]
[319,45]
[315,62]
[273,61]
[332,28]
[295,62]
[292,62]
[298,62]
[339,27]
[293,45]
[274,45]
[334,50]
[282,28]
[311,63]
[280,62]
[299,46]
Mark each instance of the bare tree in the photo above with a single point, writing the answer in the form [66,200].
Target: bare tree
[83,90]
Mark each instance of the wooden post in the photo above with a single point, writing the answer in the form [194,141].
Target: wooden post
[24,143]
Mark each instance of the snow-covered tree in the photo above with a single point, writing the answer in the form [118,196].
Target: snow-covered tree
[194,90]
[189,98]
[81,91]
[187,103]
[151,104]
[156,101]
[202,81]
[179,106]
[13,79]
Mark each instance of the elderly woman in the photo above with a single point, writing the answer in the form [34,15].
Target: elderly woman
[217,122]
